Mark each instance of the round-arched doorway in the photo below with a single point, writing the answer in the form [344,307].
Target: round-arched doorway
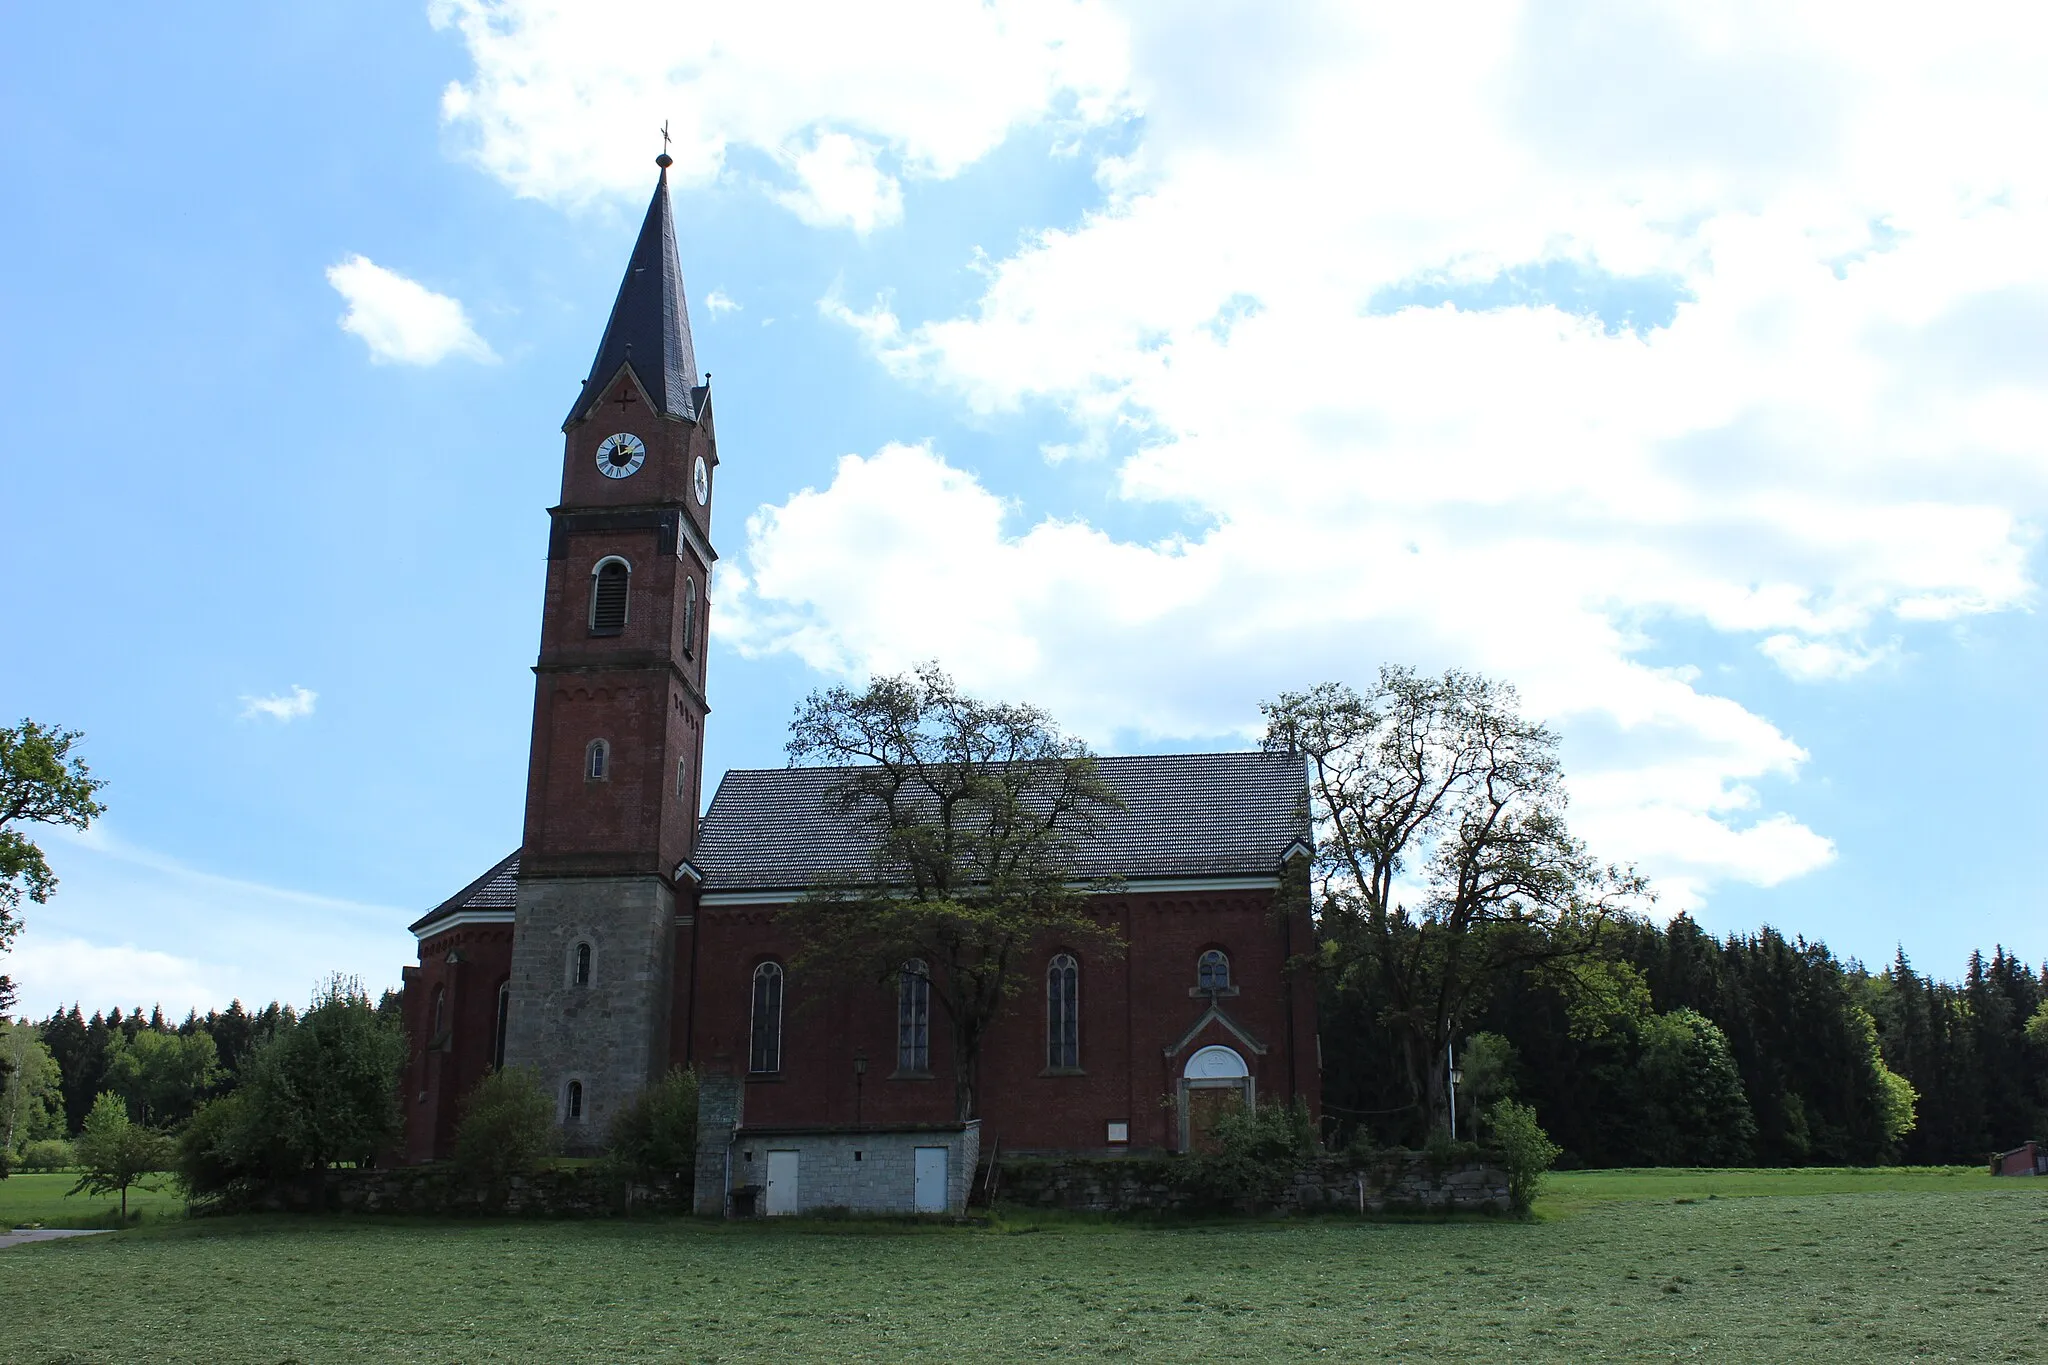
[1213,1082]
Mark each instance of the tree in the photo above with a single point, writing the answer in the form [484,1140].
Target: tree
[41,783]
[324,1090]
[507,1125]
[655,1136]
[1696,1111]
[1440,783]
[116,1153]
[162,1076]
[976,810]
[31,1088]
[1526,1150]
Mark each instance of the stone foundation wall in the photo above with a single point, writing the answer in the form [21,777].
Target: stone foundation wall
[439,1191]
[1398,1182]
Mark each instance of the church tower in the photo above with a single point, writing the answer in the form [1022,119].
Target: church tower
[618,711]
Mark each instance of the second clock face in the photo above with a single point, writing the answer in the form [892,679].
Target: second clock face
[620,455]
[702,479]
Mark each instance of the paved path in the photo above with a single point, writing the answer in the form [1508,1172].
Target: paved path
[15,1237]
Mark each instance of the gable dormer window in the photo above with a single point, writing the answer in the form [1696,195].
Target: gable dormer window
[608,584]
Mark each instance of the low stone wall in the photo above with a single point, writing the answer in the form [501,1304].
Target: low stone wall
[442,1191]
[1393,1182]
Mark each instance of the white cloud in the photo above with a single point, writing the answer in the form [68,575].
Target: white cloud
[839,185]
[232,938]
[284,706]
[826,91]
[1822,660]
[721,303]
[402,321]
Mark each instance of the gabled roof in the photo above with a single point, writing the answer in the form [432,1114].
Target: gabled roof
[649,327]
[496,890]
[1186,815]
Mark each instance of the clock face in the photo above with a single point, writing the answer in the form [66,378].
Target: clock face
[620,455]
[702,479]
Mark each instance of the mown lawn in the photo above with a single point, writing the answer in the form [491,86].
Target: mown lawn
[28,1200]
[1935,1267]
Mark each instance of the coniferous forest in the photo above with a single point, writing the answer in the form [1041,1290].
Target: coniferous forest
[1691,1050]
[1749,1050]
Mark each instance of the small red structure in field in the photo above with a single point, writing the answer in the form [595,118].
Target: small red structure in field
[2029,1158]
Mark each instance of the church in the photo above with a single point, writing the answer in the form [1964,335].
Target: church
[626,935]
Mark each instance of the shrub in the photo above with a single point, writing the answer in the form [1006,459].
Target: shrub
[656,1135]
[508,1125]
[49,1154]
[1526,1150]
[1258,1152]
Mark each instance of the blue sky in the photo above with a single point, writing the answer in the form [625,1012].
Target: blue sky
[1692,379]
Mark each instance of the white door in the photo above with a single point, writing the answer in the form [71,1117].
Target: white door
[781,1183]
[930,1196]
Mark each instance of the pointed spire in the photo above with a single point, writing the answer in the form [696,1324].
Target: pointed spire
[650,324]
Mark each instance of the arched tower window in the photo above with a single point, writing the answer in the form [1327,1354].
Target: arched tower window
[1063,1013]
[608,584]
[439,1032]
[1212,973]
[914,1018]
[689,616]
[504,1017]
[683,778]
[579,968]
[597,761]
[574,1102]
[765,1053]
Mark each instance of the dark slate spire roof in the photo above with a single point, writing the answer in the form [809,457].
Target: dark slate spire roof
[1186,815]
[650,324]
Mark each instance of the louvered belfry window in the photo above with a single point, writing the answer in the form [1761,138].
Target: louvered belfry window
[608,598]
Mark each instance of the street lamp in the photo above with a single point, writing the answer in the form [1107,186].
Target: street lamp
[860,1071]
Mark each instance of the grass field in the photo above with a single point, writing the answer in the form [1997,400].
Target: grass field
[1726,1266]
[31,1199]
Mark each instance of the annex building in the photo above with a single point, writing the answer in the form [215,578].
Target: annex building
[626,935]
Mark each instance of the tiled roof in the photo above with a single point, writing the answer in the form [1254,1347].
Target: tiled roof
[1186,815]
[650,323]
[497,889]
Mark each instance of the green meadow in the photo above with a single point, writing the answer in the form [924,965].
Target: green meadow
[1836,1266]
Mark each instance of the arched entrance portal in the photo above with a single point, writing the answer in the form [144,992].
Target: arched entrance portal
[1214,1082]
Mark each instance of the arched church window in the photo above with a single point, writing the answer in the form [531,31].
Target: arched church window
[914,1018]
[682,779]
[440,1029]
[1212,973]
[580,970]
[597,761]
[574,1106]
[608,584]
[1063,1013]
[504,1017]
[689,616]
[765,1053]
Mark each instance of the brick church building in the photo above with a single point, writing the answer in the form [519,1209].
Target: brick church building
[626,935]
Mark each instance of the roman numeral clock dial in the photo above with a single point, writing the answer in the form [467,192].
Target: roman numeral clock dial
[620,455]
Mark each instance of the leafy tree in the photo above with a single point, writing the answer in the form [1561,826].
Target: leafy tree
[326,1089]
[976,810]
[48,1154]
[41,783]
[162,1076]
[1526,1150]
[1488,1064]
[508,1124]
[656,1134]
[116,1153]
[31,1088]
[1696,1111]
[1439,782]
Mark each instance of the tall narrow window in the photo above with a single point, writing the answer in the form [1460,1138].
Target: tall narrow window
[581,970]
[504,1017]
[914,1018]
[682,779]
[689,616]
[766,1053]
[608,583]
[1063,1013]
[597,761]
[1212,973]
[575,1105]
[439,1033]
